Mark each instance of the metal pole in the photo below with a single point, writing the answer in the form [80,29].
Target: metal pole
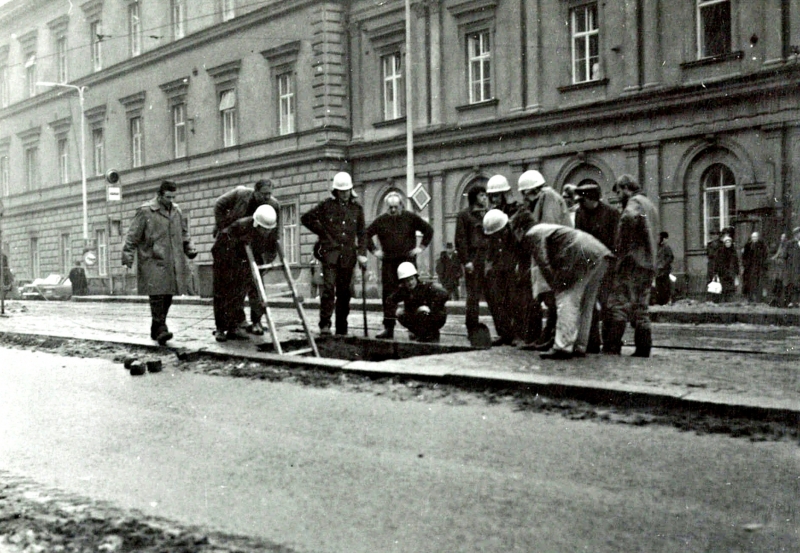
[409,111]
[83,171]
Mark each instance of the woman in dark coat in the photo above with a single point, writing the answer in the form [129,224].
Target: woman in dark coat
[727,267]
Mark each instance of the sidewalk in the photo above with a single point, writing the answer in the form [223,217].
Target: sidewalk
[708,374]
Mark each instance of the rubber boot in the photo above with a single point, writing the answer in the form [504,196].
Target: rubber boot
[388,331]
[643,340]
[613,343]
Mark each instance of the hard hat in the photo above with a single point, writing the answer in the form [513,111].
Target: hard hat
[494,221]
[342,181]
[265,216]
[530,180]
[496,184]
[406,269]
[393,198]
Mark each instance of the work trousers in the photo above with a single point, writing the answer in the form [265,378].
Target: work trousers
[663,289]
[389,285]
[159,307]
[336,293]
[575,307]
[603,313]
[528,322]
[423,326]
[630,295]
[499,294]
[231,281]
[476,285]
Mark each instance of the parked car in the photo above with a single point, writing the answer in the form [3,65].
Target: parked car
[54,287]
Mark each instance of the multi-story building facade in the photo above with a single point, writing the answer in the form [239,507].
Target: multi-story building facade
[698,99]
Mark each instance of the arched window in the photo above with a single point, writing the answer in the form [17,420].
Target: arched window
[719,190]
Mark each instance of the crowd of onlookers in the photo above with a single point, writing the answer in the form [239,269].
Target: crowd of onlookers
[763,276]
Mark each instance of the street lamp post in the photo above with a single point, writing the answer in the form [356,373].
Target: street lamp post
[81,90]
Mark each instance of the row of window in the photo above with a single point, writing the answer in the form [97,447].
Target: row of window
[178,11]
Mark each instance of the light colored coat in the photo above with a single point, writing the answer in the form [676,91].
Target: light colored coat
[160,239]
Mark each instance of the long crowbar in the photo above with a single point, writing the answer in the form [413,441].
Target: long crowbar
[364,297]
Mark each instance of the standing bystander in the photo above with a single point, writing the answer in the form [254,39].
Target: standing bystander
[77,276]
[159,238]
[664,259]
[754,262]
[449,271]
[471,247]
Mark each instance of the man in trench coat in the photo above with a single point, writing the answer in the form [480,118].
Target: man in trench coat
[159,236]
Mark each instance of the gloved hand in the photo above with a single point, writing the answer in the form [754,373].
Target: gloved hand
[362,260]
[189,250]
[415,252]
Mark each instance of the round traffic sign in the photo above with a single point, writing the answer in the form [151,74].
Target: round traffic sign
[90,258]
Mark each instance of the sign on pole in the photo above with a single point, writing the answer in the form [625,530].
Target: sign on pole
[90,258]
[113,193]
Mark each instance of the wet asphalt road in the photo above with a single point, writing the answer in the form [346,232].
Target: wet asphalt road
[332,470]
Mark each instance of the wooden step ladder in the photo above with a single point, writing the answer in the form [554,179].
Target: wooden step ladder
[297,299]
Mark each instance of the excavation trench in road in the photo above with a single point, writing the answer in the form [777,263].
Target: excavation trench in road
[752,424]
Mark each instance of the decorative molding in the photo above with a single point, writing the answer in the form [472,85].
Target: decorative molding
[470,9]
[28,42]
[134,103]
[176,88]
[58,26]
[730,56]
[61,126]
[388,34]
[283,54]
[93,10]
[95,116]
[225,73]
[582,86]
[493,102]
[30,136]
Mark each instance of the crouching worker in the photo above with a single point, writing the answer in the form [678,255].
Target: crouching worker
[573,263]
[421,305]
[232,270]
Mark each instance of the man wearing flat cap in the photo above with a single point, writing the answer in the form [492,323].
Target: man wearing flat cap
[599,219]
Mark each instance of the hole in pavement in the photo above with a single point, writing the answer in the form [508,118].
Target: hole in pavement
[354,348]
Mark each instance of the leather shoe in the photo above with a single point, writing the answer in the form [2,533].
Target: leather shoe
[163,337]
[387,334]
[544,346]
[555,354]
[325,330]
[219,335]
[255,329]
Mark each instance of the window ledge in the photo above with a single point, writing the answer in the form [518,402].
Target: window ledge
[478,105]
[389,122]
[730,56]
[584,85]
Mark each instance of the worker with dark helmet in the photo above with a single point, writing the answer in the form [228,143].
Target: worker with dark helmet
[421,305]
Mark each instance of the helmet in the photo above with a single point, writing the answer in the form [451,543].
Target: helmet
[342,181]
[393,198]
[494,221]
[497,183]
[265,217]
[406,269]
[530,180]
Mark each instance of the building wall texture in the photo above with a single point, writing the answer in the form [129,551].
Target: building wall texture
[655,106]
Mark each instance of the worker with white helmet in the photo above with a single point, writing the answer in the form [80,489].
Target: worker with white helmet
[500,275]
[396,230]
[232,273]
[541,204]
[338,223]
[420,305]
[500,195]
[233,206]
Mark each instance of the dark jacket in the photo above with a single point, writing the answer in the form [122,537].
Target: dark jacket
[601,222]
[340,228]
[502,252]
[664,260]
[448,269]
[160,240]
[398,234]
[727,265]
[238,203]
[77,277]
[792,257]
[637,235]
[470,241]
[429,294]
[754,263]
[564,255]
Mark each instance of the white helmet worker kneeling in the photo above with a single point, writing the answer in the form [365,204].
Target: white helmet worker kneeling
[421,305]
